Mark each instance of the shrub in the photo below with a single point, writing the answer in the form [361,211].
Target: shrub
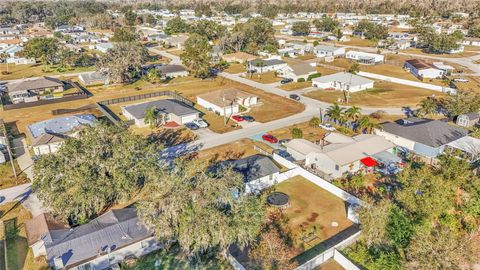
[297,133]
[313,76]
[314,122]
[300,80]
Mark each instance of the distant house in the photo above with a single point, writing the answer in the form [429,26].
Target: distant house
[300,47]
[343,81]
[240,57]
[170,110]
[425,137]
[102,243]
[422,69]
[176,41]
[157,37]
[226,101]
[365,58]
[468,119]
[172,71]
[102,47]
[471,41]
[216,53]
[48,136]
[93,78]
[261,65]
[33,90]
[298,71]
[258,171]
[325,51]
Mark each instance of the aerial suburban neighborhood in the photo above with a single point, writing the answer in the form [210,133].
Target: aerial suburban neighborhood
[239,134]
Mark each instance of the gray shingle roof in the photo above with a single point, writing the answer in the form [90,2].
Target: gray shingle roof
[166,69]
[302,69]
[253,167]
[114,229]
[165,105]
[39,83]
[93,77]
[433,133]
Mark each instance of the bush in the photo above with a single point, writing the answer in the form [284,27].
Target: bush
[313,76]
[314,122]
[297,133]
[300,80]
[6,72]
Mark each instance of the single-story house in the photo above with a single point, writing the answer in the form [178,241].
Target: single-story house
[47,136]
[157,37]
[300,148]
[176,41]
[325,51]
[172,71]
[468,119]
[101,243]
[421,69]
[343,81]
[471,41]
[336,159]
[30,90]
[240,57]
[93,78]
[102,47]
[424,137]
[261,65]
[226,101]
[298,71]
[365,58]
[442,66]
[300,47]
[258,171]
[171,110]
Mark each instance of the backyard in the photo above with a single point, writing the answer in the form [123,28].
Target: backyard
[37,70]
[314,218]
[19,256]
[385,94]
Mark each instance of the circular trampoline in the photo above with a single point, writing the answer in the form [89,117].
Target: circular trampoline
[278,199]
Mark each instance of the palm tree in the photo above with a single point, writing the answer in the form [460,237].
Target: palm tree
[428,106]
[151,117]
[353,114]
[335,112]
[367,124]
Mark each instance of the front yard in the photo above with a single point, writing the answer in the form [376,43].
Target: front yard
[265,77]
[313,134]
[36,70]
[385,94]
[295,85]
[235,68]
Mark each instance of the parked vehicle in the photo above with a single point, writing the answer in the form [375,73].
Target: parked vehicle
[238,118]
[269,138]
[284,141]
[295,97]
[286,80]
[460,80]
[200,122]
[191,126]
[248,118]
[2,198]
[327,127]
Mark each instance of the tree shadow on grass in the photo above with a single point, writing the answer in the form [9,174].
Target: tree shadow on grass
[171,137]
[17,246]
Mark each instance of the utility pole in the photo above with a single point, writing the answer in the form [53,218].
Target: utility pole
[7,142]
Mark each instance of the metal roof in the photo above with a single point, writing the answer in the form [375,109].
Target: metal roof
[61,125]
[343,77]
[165,105]
[433,133]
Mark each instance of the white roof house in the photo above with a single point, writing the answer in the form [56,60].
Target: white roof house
[323,50]
[226,101]
[300,148]
[364,57]
[343,81]
[298,71]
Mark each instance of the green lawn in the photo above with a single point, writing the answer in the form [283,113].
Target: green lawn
[7,179]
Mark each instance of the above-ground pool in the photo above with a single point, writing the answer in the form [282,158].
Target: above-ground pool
[278,199]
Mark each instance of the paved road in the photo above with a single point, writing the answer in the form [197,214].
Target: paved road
[175,59]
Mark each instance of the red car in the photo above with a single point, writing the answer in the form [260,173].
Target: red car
[238,118]
[269,138]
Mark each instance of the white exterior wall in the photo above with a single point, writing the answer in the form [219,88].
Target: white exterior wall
[229,110]
[177,74]
[430,73]
[47,148]
[342,86]
[358,55]
[38,249]
[117,256]
[400,141]
[261,183]
[249,101]
[268,68]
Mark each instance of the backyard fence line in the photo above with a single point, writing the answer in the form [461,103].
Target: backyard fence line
[172,94]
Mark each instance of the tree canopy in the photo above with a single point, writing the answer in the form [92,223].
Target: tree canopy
[176,25]
[42,48]
[196,56]
[372,31]
[301,28]
[108,165]
[201,210]
[326,24]
[256,34]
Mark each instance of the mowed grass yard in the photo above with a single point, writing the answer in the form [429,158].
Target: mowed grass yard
[18,252]
[385,94]
[311,209]
[265,77]
[466,53]
[235,150]
[36,70]
[7,178]
[235,68]
[358,42]
[295,85]
[272,106]
[310,133]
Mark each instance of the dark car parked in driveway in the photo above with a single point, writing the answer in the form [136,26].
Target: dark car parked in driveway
[248,118]
[192,126]
[295,97]
[285,81]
